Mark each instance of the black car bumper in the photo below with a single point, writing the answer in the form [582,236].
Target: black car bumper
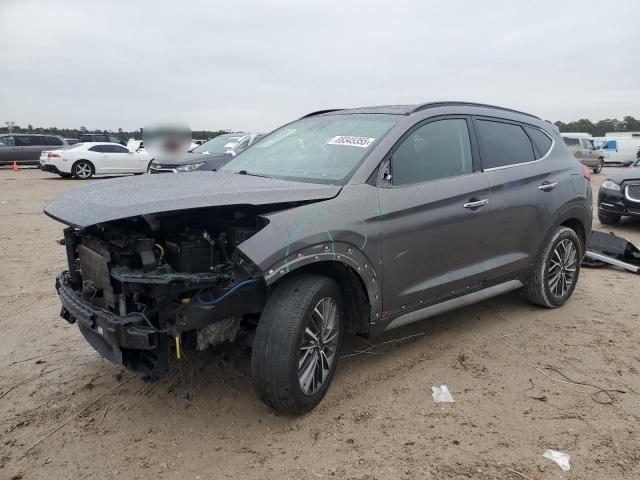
[111,335]
[49,168]
[612,202]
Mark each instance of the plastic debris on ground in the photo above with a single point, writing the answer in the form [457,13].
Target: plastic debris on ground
[441,394]
[608,249]
[560,458]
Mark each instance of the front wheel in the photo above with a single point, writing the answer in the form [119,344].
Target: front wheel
[556,270]
[82,170]
[296,345]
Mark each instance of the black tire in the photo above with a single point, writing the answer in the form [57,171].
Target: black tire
[606,219]
[281,337]
[540,288]
[82,170]
[599,165]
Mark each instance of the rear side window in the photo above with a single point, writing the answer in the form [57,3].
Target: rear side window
[571,142]
[101,138]
[53,141]
[23,141]
[116,149]
[503,144]
[541,141]
[114,139]
[7,141]
[99,148]
[85,138]
[436,150]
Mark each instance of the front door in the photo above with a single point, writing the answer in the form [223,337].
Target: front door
[435,217]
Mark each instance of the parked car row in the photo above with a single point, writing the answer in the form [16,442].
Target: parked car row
[595,152]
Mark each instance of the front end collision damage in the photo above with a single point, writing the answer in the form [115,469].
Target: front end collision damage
[137,286]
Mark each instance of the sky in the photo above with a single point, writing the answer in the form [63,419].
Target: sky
[254,65]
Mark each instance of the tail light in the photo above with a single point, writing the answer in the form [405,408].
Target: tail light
[586,173]
[53,155]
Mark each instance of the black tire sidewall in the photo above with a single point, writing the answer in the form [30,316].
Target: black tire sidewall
[328,289]
[563,234]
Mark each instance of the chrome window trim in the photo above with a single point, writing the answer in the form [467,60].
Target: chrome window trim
[502,167]
[626,193]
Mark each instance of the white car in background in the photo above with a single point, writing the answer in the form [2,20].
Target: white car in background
[84,160]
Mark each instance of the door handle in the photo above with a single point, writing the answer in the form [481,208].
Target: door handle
[476,203]
[546,186]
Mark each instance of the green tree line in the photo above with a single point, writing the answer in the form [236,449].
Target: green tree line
[598,129]
[10,127]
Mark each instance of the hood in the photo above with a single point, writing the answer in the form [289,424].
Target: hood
[631,173]
[119,198]
[189,158]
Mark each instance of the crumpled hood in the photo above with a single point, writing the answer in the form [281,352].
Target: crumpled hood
[119,198]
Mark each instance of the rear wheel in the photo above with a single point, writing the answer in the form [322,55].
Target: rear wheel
[606,219]
[556,271]
[599,165]
[82,170]
[295,349]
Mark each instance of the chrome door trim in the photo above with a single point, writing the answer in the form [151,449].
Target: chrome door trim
[454,303]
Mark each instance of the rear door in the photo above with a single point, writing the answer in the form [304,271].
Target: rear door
[525,191]
[8,149]
[435,216]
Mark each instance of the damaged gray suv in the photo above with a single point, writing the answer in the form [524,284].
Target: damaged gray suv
[344,221]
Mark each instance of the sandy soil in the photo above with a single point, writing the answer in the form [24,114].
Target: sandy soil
[378,420]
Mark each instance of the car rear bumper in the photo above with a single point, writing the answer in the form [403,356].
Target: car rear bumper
[47,167]
[107,332]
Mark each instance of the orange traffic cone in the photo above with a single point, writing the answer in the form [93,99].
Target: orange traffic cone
[15,166]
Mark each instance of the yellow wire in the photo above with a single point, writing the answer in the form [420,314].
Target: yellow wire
[178,348]
[161,250]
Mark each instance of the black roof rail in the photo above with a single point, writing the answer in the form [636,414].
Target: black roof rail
[425,106]
[320,112]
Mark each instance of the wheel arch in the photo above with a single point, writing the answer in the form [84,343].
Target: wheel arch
[577,219]
[349,268]
[83,160]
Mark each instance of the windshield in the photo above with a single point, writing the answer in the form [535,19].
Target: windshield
[219,144]
[323,149]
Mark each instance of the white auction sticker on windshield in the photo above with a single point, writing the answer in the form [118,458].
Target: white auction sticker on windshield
[362,142]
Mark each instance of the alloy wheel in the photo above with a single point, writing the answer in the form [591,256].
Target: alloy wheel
[562,268]
[319,345]
[83,170]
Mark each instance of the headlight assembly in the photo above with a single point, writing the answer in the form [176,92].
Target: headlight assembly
[189,168]
[610,185]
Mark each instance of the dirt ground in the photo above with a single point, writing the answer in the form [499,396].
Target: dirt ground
[515,396]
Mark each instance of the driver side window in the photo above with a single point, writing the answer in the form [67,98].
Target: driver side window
[437,149]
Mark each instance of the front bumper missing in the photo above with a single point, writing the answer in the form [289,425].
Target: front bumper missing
[110,334]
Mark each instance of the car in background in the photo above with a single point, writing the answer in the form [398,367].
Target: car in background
[621,151]
[584,150]
[25,148]
[619,196]
[209,156]
[84,160]
[72,141]
[100,137]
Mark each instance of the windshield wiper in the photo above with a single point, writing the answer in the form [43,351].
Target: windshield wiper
[244,172]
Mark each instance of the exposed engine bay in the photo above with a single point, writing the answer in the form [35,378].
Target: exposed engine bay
[142,286]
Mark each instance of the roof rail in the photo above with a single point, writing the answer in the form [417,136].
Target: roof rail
[320,112]
[425,106]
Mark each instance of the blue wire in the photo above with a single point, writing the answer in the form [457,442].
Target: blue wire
[225,294]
